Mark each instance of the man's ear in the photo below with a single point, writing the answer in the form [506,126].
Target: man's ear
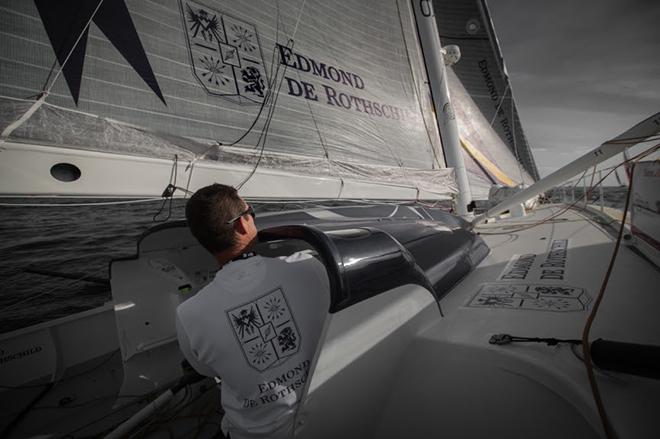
[240,225]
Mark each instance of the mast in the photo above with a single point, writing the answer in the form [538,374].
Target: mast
[435,67]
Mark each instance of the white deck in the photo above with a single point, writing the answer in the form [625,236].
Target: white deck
[505,389]
[392,366]
[632,291]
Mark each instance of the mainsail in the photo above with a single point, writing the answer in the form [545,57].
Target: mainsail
[302,92]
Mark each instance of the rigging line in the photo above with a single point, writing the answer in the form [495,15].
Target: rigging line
[271,110]
[316,126]
[30,298]
[295,29]
[627,171]
[575,202]
[163,414]
[515,144]
[563,210]
[47,88]
[615,166]
[166,416]
[586,351]
[506,89]
[168,193]
[264,102]
[264,133]
[326,152]
[392,151]
[277,32]
[187,189]
[248,131]
[91,401]
[102,418]
[503,339]
[73,48]
[543,221]
[103,203]
[11,425]
[81,404]
[618,179]
[591,184]
[52,67]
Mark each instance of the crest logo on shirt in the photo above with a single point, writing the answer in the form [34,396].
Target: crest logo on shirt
[225,54]
[266,330]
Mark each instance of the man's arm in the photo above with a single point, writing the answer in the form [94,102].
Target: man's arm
[187,350]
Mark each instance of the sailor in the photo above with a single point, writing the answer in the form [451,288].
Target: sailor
[256,324]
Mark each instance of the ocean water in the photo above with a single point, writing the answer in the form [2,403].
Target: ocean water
[71,240]
[81,241]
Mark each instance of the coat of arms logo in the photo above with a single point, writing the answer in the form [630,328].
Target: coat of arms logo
[266,330]
[531,297]
[225,54]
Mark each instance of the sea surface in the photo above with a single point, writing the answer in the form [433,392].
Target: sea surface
[80,242]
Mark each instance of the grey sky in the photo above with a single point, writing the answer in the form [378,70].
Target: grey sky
[582,71]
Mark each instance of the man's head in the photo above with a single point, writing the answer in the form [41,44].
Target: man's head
[220,220]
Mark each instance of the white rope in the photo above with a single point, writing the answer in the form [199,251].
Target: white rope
[295,29]
[24,117]
[30,298]
[21,120]
[506,89]
[73,48]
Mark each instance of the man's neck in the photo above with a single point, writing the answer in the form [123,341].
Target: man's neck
[223,258]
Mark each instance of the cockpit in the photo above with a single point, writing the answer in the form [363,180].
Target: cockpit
[385,277]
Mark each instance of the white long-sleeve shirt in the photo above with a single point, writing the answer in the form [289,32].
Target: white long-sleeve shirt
[256,326]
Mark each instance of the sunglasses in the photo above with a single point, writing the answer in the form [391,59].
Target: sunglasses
[249,210]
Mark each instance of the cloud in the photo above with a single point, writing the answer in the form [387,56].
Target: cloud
[581,72]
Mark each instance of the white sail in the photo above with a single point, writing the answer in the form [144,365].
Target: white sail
[334,93]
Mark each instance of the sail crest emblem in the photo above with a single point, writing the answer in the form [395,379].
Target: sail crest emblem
[265,329]
[225,54]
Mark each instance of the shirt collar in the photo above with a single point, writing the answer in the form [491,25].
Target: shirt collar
[242,256]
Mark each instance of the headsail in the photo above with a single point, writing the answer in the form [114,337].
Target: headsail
[482,95]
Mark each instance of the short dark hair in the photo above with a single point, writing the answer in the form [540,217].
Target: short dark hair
[208,211]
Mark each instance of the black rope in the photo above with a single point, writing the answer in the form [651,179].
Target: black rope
[503,339]
[263,102]
[7,431]
[168,193]
[271,112]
